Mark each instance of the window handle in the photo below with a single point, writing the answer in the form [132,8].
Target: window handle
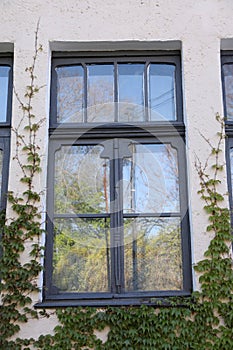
[118,269]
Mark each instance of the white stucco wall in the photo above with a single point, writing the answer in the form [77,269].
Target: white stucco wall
[195,27]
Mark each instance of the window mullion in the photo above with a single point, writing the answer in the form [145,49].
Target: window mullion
[133,200]
[116,93]
[146,92]
[117,248]
[85,92]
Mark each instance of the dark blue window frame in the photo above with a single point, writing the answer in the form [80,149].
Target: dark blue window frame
[155,132]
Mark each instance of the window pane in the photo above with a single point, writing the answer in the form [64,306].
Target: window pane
[228,85]
[81,180]
[100,93]
[81,258]
[131,92]
[150,179]
[162,92]
[70,92]
[1,162]
[231,164]
[152,254]
[4,81]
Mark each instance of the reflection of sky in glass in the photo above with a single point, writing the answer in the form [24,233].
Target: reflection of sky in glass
[131,92]
[70,94]
[4,79]
[100,92]
[151,179]
[228,85]
[162,91]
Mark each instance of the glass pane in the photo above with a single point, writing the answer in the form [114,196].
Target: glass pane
[150,179]
[1,162]
[162,92]
[81,257]
[81,180]
[70,93]
[228,86]
[100,93]
[4,81]
[131,92]
[152,253]
[231,163]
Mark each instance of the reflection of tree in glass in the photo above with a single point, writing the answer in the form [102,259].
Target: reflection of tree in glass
[157,255]
[81,179]
[153,247]
[100,93]
[97,93]
[80,255]
[170,163]
[70,93]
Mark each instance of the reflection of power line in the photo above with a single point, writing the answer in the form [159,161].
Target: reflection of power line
[162,95]
[162,103]
[169,92]
[140,110]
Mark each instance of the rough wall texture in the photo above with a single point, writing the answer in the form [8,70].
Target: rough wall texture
[197,28]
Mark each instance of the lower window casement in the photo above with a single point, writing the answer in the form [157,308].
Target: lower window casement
[117,222]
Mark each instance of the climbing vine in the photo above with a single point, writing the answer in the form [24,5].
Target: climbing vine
[23,230]
[203,321]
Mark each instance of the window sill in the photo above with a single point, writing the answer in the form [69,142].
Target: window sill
[163,299]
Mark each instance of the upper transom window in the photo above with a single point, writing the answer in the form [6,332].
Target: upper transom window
[123,89]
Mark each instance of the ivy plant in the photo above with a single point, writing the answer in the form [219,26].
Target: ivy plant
[19,280]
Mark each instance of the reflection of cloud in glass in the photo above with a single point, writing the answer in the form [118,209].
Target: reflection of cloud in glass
[151,179]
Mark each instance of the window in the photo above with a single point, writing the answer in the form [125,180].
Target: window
[117,222]
[227,84]
[5,117]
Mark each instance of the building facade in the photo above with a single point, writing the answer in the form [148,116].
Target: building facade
[129,97]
